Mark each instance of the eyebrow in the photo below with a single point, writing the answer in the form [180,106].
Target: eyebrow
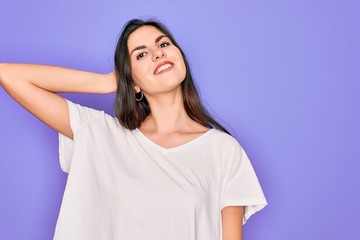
[144,46]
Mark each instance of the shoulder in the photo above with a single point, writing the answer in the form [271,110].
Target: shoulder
[224,138]
[227,145]
[82,115]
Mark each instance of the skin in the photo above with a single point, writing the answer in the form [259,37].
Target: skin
[232,218]
[35,86]
[168,124]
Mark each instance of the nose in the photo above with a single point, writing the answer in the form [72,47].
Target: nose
[158,54]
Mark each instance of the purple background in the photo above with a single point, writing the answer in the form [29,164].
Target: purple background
[285,75]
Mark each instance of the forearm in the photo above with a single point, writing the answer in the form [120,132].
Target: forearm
[55,79]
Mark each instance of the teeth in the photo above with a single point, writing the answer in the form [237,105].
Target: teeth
[163,67]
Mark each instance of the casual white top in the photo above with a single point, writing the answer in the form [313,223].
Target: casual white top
[123,186]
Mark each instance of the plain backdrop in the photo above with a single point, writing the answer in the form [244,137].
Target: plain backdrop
[284,76]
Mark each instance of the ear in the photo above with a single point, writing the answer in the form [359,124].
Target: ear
[137,89]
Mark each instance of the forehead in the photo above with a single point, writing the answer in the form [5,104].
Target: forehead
[143,36]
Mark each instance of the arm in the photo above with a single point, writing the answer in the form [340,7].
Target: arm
[34,87]
[232,219]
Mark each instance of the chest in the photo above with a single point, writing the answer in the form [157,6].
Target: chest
[128,171]
[136,176]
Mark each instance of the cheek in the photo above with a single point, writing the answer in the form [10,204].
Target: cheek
[183,69]
[137,72]
[181,63]
[140,75]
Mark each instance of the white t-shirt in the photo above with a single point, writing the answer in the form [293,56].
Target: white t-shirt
[123,186]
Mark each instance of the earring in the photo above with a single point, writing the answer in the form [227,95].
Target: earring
[140,98]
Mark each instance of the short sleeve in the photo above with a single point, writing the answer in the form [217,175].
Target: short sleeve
[240,185]
[79,115]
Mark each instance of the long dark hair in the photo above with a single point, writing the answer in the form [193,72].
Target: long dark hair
[132,113]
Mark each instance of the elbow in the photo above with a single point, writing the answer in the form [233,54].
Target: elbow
[8,72]
[3,77]
[1,73]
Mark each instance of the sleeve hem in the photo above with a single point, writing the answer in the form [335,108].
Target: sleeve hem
[251,206]
[62,158]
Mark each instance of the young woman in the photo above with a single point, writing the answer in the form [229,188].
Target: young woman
[162,169]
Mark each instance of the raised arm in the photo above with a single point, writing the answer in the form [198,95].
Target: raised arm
[35,86]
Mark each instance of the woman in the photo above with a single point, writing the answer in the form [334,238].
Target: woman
[162,169]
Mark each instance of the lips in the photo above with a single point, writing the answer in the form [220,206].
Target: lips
[163,67]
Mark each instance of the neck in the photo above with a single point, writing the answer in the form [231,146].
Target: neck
[168,114]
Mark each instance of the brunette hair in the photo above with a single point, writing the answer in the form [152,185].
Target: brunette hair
[132,113]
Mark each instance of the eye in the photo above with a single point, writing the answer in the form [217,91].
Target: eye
[140,55]
[164,44]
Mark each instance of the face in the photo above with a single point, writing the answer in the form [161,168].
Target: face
[157,65]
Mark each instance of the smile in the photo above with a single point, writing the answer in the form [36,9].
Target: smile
[163,67]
